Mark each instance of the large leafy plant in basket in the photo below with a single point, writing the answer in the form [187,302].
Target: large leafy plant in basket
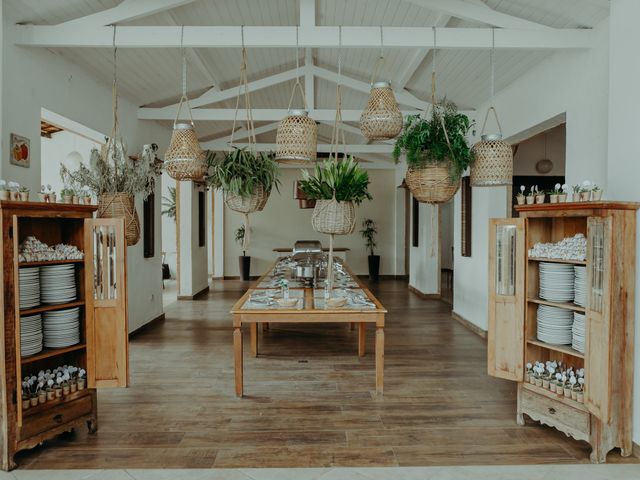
[437,152]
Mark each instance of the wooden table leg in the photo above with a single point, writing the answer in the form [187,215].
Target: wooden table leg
[254,339]
[361,338]
[237,354]
[379,359]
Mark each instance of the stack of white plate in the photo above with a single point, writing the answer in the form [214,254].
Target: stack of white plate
[58,284]
[556,282]
[29,287]
[62,328]
[30,335]
[580,285]
[554,325]
[578,332]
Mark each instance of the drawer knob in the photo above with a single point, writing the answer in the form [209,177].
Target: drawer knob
[58,418]
[552,411]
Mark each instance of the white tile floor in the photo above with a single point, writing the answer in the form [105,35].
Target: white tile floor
[529,472]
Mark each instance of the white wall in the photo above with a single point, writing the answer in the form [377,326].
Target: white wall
[568,86]
[37,78]
[424,270]
[193,258]
[622,164]
[281,223]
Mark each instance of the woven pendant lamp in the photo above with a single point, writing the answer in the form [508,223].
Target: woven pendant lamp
[185,159]
[492,157]
[297,138]
[297,135]
[382,119]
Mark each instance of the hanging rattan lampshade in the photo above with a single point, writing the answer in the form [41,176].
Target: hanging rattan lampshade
[185,160]
[492,162]
[297,138]
[382,119]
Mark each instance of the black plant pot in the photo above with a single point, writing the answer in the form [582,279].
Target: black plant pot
[374,268]
[244,262]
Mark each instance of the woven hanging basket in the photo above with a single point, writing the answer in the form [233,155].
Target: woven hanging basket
[334,217]
[492,162]
[431,184]
[116,205]
[297,138]
[185,160]
[254,203]
[382,119]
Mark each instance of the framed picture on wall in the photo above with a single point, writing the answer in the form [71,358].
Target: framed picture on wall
[20,151]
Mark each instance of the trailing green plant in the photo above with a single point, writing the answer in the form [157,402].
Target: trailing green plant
[369,232]
[112,171]
[343,180]
[169,204]
[241,171]
[425,143]
[240,238]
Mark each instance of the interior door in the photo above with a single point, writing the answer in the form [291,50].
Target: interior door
[106,303]
[507,259]
[598,327]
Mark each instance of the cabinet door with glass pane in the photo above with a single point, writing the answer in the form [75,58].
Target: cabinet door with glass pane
[507,258]
[106,292]
[598,320]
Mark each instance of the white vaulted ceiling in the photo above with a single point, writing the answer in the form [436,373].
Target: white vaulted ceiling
[151,77]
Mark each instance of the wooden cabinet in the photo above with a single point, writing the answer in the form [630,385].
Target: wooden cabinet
[604,419]
[102,298]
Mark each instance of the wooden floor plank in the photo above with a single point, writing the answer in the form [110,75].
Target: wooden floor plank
[310,400]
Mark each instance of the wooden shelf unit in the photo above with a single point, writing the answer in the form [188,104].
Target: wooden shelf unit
[102,300]
[604,420]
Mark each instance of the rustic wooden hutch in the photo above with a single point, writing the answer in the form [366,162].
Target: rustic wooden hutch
[604,419]
[102,298]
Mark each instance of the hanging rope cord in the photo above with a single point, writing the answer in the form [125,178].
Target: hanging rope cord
[380,61]
[493,83]
[111,146]
[184,100]
[337,134]
[297,86]
[243,91]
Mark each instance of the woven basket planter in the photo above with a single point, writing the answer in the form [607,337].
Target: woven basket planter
[431,184]
[254,203]
[184,159]
[116,205]
[492,162]
[334,217]
[382,119]
[297,138]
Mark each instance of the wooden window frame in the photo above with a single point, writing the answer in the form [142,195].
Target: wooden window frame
[149,226]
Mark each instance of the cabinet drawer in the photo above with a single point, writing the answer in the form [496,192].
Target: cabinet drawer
[555,414]
[54,417]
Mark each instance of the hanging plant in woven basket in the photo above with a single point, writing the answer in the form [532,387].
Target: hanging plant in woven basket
[381,119]
[435,149]
[184,159]
[114,177]
[492,157]
[297,134]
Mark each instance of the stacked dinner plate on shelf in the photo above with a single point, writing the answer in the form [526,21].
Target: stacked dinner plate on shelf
[62,328]
[578,332]
[556,282]
[555,325]
[58,284]
[30,335]
[29,287]
[580,285]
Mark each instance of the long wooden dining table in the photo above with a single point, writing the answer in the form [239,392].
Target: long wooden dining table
[309,311]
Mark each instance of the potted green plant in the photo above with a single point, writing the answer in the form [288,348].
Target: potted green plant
[437,152]
[115,179]
[169,204]
[244,262]
[369,232]
[24,194]
[67,195]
